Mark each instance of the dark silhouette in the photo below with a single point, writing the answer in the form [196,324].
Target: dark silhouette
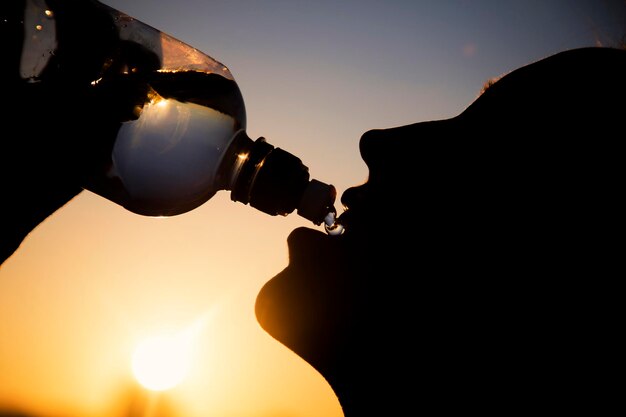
[59,127]
[468,277]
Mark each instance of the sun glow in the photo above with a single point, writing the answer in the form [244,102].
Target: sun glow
[162,362]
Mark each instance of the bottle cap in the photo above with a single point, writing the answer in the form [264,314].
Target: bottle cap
[317,201]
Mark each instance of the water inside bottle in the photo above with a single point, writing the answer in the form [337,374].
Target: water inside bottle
[174,128]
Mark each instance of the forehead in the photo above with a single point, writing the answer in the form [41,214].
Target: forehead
[572,88]
[582,77]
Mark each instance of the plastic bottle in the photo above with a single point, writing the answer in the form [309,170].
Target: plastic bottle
[167,122]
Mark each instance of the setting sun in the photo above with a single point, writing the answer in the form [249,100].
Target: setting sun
[161,363]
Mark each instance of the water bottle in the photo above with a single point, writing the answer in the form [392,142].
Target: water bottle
[165,122]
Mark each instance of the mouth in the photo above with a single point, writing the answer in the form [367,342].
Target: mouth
[311,247]
[341,223]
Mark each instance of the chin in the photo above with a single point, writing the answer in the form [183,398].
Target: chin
[304,306]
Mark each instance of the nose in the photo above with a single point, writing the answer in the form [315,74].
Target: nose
[371,145]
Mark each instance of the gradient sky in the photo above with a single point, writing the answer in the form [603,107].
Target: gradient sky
[94,279]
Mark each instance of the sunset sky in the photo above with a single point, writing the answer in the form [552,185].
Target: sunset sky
[94,280]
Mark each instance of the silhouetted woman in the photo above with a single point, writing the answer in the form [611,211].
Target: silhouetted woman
[468,277]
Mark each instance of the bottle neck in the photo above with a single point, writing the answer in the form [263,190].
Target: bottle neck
[274,181]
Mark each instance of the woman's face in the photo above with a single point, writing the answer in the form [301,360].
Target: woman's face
[324,304]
